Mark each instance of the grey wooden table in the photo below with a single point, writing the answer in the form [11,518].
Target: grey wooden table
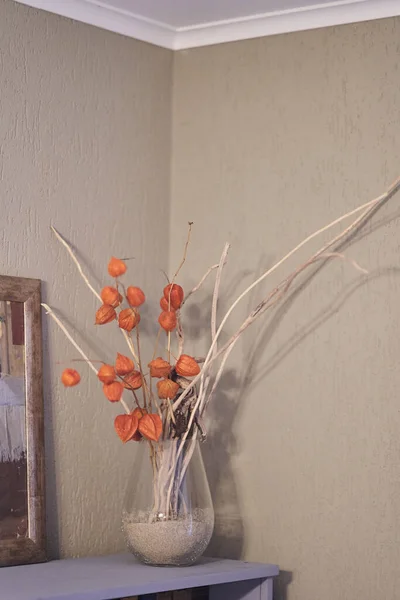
[119,575]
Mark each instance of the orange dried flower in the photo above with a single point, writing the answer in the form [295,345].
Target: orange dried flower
[70,377]
[167,320]
[123,365]
[174,293]
[167,388]
[187,366]
[159,367]
[113,391]
[139,412]
[111,296]
[116,267]
[126,426]
[105,314]
[133,381]
[150,426]
[135,296]
[128,319]
[106,374]
[165,305]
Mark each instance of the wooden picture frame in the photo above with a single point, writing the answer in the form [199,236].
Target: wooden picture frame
[29,548]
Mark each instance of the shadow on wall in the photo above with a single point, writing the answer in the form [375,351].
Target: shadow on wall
[221,446]
[222,443]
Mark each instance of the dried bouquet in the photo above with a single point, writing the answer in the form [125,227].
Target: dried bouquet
[166,397]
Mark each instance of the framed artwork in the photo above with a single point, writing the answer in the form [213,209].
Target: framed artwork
[22,510]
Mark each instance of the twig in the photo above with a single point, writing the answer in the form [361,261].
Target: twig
[179,333]
[368,208]
[50,312]
[205,382]
[61,325]
[184,256]
[169,346]
[139,362]
[130,344]
[265,305]
[70,251]
[86,280]
[156,343]
[202,280]
[344,257]
[171,412]
[216,292]
[231,343]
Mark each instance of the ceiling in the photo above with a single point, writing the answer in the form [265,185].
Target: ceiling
[179,24]
[186,13]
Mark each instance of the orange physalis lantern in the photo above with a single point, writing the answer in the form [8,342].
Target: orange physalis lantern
[167,388]
[105,314]
[167,320]
[139,412]
[113,391]
[126,426]
[106,374]
[174,293]
[150,426]
[165,305]
[133,381]
[159,367]
[116,267]
[128,319]
[135,296]
[123,365]
[111,296]
[187,366]
[70,377]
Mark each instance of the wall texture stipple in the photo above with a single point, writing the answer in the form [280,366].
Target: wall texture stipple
[259,143]
[273,138]
[84,144]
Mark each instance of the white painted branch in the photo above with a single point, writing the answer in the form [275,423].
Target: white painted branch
[367,209]
[61,325]
[71,253]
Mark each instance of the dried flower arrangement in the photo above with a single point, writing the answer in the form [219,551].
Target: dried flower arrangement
[185,384]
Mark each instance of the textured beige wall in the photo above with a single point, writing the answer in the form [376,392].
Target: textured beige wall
[84,144]
[272,138]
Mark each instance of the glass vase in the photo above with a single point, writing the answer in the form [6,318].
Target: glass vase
[168,516]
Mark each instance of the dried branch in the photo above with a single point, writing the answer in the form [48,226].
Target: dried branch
[71,253]
[202,280]
[61,325]
[86,280]
[228,347]
[368,208]
[205,382]
[216,292]
[184,253]
[179,333]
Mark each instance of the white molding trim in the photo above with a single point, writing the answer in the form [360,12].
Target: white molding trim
[103,16]
[99,14]
[312,17]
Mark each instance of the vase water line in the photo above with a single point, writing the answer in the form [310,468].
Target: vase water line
[168,516]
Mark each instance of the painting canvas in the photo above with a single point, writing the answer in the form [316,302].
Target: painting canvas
[13,458]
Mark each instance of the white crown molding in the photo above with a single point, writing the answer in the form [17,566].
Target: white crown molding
[103,16]
[126,23]
[313,17]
